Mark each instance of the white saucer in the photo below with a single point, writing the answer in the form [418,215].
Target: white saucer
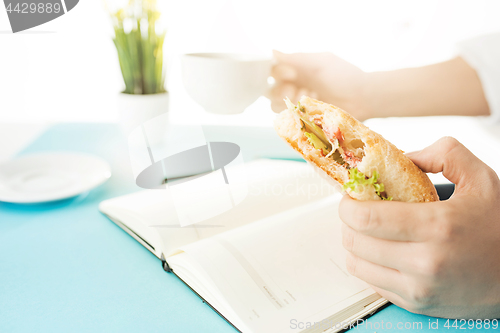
[50,176]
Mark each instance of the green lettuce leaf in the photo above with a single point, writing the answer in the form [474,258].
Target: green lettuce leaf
[358,180]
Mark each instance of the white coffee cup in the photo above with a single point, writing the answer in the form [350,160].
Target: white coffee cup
[225,83]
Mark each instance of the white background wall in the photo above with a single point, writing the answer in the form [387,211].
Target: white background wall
[67,69]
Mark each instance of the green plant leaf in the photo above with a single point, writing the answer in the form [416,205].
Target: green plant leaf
[140,50]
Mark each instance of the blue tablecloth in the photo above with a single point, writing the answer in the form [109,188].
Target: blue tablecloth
[64,267]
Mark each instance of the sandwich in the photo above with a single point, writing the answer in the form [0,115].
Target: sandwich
[346,152]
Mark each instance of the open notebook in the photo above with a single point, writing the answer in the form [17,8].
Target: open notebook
[273,263]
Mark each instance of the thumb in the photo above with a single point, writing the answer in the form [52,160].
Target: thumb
[277,53]
[292,59]
[280,56]
[455,161]
[282,71]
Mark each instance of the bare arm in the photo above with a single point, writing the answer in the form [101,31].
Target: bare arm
[448,88]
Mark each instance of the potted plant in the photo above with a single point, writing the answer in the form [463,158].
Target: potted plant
[139,45]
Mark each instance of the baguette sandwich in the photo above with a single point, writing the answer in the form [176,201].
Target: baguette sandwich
[367,166]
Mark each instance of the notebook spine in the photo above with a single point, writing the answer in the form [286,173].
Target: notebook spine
[165,265]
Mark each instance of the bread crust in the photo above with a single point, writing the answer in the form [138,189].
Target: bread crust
[402,179]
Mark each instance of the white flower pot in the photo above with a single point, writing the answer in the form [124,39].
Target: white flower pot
[135,110]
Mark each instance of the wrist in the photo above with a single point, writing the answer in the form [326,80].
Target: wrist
[367,95]
[387,94]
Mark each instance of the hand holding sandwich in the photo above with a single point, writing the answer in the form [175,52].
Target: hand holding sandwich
[431,257]
[437,258]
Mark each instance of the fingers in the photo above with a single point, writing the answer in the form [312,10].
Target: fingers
[379,276]
[278,55]
[288,84]
[382,252]
[292,59]
[282,90]
[285,76]
[411,154]
[392,297]
[284,72]
[457,163]
[285,69]
[301,92]
[279,92]
[391,220]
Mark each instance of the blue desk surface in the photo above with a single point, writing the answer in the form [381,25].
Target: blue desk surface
[64,267]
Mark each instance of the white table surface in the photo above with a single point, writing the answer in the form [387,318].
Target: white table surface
[15,136]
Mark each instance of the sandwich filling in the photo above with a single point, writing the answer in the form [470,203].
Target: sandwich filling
[329,140]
